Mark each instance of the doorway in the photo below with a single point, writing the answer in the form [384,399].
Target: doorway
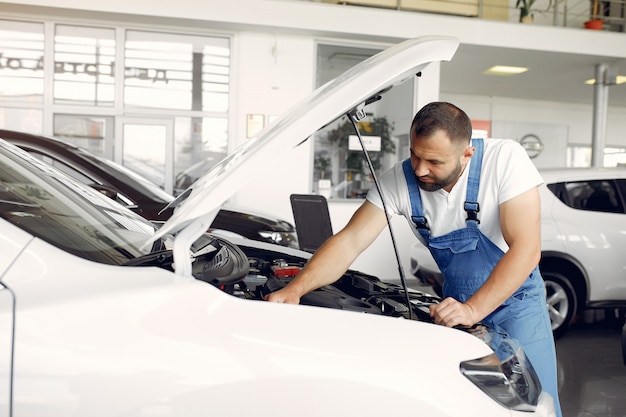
[146,146]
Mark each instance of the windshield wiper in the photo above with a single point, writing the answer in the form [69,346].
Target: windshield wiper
[160,258]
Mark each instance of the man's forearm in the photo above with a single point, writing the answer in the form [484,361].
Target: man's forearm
[507,277]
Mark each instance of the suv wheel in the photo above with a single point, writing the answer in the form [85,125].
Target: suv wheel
[561,301]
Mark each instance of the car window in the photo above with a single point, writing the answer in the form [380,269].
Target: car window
[591,195]
[621,187]
[79,176]
[148,187]
[63,167]
[47,204]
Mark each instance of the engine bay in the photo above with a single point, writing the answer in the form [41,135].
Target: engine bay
[251,273]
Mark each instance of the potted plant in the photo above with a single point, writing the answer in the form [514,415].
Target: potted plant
[321,164]
[379,126]
[524,6]
[594,22]
[352,167]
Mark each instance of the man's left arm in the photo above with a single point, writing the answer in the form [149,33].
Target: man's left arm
[520,220]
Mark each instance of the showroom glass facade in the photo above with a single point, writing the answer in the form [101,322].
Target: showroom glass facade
[22,74]
[156,102]
[84,66]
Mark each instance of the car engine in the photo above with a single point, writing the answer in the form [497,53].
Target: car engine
[251,273]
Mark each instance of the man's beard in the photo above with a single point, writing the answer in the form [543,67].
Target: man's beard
[440,183]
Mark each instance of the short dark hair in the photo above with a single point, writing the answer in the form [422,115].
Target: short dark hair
[445,116]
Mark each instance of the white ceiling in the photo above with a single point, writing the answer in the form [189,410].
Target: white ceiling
[551,77]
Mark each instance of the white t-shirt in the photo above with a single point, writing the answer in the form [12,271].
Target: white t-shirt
[507,172]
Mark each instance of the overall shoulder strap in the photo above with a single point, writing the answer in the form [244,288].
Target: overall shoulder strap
[473,183]
[417,212]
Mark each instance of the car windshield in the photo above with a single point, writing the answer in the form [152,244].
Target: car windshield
[50,205]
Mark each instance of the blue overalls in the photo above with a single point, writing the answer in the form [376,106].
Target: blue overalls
[466,258]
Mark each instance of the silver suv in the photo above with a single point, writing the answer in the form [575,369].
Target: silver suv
[583,238]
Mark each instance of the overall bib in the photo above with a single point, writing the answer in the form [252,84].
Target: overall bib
[466,258]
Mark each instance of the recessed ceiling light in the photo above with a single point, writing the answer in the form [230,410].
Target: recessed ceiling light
[620,79]
[504,70]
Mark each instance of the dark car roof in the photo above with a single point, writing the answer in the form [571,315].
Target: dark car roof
[149,198]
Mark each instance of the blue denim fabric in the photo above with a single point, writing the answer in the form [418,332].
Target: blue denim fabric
[466,258]
[523,316]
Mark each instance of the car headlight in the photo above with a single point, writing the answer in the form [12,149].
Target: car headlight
[288,239]
[507,375]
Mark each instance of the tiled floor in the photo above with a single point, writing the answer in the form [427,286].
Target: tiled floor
[592,374]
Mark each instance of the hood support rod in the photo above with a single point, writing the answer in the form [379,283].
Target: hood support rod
[355,115]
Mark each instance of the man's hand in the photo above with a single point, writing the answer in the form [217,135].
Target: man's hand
[283,296]
[451,312]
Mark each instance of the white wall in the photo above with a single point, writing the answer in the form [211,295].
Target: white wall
[276,70]
[272,73]
[578,118]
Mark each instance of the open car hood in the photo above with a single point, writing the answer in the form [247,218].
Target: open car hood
[198,204]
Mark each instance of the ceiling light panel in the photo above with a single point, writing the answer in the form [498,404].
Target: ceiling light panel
[620,79]
[504,70]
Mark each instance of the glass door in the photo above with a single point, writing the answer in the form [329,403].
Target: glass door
[146,146]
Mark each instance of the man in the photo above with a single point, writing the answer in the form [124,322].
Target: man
[475,205]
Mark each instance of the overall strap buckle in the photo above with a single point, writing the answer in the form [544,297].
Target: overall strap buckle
[420,222]
[472,210]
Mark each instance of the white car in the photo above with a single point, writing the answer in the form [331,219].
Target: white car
[101,315]
[583,236]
